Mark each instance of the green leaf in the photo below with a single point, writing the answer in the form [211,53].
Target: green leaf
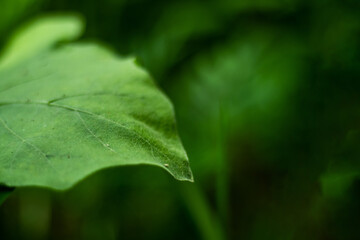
[13,10]
[69,112]
[40,35]
[335,185]
[238,87]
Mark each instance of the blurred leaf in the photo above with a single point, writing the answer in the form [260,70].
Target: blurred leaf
[336,184]
[40,35]
[246,82]
[69,112]
[180,23]
[343,169]
[231,6]
[12,10]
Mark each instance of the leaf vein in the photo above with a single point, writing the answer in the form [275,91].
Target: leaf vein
[28,143]
[92,133]
[69,108]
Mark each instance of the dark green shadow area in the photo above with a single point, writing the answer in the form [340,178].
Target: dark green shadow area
[4,193]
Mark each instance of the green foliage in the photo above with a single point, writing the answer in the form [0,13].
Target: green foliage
[12,11]
[246,82]
[39,35]
[70,111]
[266,95]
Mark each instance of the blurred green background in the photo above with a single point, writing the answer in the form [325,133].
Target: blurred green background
[267,98]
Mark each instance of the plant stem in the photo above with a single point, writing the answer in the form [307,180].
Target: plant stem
[222,175]
[208,224]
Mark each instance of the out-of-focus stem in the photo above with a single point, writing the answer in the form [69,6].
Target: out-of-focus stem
[207,222]
[222,175]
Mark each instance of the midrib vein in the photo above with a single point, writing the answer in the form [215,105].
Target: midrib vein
[69,108]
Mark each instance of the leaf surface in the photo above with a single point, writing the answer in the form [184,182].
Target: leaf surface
[68,112]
